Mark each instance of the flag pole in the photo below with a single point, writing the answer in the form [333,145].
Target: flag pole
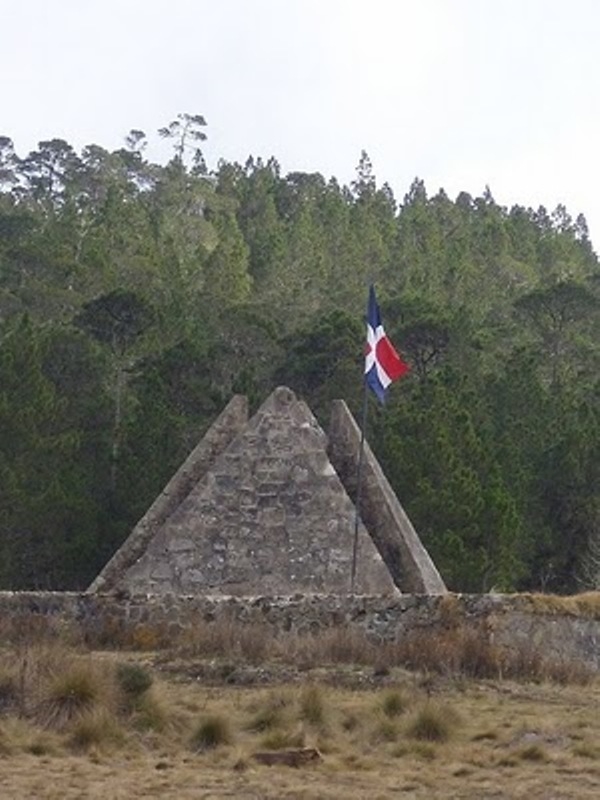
[383,365]
[359,466]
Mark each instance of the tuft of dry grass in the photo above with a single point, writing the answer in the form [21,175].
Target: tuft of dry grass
[19,735]
[271,714]
[150,713]
[386,730]
[98,728]
[585,604]
[71,693]
[211,732]
[432,723]
[312,705]
[394,703]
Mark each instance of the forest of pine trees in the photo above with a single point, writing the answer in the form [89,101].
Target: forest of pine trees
[135,298]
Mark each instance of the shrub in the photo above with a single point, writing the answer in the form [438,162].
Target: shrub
[431,723]
[394,703]
[133,680]
[211,732]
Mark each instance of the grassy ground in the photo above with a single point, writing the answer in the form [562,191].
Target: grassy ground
[76,723]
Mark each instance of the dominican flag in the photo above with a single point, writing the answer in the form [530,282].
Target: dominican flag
[383,365]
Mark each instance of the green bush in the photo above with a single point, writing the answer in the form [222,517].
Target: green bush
[133,679]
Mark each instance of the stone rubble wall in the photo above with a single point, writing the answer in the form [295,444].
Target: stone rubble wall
[557,630]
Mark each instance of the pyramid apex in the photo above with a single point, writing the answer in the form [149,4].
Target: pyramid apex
[283,395]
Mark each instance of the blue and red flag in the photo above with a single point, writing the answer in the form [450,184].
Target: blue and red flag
[383,365]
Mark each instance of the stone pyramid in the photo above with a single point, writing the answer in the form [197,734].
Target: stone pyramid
[257,509]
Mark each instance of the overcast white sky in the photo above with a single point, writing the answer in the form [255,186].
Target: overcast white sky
[461,93]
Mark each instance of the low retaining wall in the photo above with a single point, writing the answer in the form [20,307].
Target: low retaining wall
[565,629]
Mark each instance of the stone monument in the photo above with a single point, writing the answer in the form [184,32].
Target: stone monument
[262,507]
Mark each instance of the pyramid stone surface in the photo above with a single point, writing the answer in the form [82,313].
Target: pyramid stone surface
[409,562]
[270,516]
[228,424]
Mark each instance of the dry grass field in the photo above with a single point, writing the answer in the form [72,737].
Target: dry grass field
[341,718]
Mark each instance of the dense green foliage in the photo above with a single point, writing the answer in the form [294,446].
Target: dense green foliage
[135,298]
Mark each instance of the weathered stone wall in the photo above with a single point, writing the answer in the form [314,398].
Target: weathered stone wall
[556,629]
